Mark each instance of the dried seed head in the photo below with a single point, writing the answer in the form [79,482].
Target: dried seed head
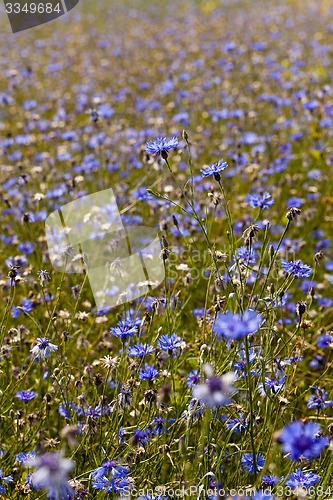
[293,213]
[301,307]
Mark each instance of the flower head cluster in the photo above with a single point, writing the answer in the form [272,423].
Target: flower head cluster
[263,201]
[161,146]
[319,399]
[324,341]
[148,372]
[125,328]
[214,169]
[237,424]
[301,479]
[302,440]
[236,326]
[247,462]
[26,395]
[140,350]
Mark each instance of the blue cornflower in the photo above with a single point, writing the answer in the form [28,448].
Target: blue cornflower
[22,458]
[15,313]
[241,364]
[236,326]
[141,437]
[140,350]
[302,440]
[110,468]
[43,349]
[271,386]
[148,372]
[301,479]
[318,400]
[247,462]
[297,268]
[169,342]
[324,341]
[26,395]
[158,426]
[194,410]
[161,146]
[263,201]
[69,409]
[125,329]
[214,169]
[270,480]
[3,481]
[110,485]
[193,378]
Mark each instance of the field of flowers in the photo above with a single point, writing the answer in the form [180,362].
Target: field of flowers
[212,122]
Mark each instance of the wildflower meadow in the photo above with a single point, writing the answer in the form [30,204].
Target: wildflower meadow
[196,360]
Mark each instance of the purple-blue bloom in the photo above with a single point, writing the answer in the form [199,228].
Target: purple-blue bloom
[214,169]
[236,326]
[271,386]
[24,457]
[301,439]
[263,201]
[247,462]
[318,400]
[237,424]
[148,372]
[301,479]
[26,395]
[161,145]
[125,329]
[116,484]
[140,350]
[169,342]
[112,468]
